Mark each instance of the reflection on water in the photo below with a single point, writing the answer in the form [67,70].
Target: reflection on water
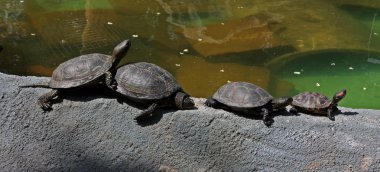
[206,43]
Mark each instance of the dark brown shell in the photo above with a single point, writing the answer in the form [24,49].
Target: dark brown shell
[80,70]
[145,81]
[242,95]
[311,100]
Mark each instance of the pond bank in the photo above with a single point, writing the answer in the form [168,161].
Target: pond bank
[95,132]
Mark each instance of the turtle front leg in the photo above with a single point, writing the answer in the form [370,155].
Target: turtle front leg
[146,112]
[293,110]
[330,114]
[266,118]
[45,101]
[109,80]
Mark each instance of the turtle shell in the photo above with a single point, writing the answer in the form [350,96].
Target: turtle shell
[145,81]
[242,95]
[80,70]
[311,101]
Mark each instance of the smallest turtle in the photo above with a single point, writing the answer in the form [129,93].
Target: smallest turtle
[316,103]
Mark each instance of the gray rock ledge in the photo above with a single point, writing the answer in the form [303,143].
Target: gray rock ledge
[95,132]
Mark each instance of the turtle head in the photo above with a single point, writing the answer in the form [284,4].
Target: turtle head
[281,103]
[120,51]
[339,96]
[183,101]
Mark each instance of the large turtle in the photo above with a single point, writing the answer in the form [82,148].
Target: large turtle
[247,98]
[316,103]
[151,85]
[83,70]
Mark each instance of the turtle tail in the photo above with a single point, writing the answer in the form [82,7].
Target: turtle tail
[39,85]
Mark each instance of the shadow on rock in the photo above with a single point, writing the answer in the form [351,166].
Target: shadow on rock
[85,94]
[349,113]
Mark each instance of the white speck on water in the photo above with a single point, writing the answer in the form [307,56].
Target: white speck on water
[109,23]
[364,88]
[181,53]
[222,24]
[63,41]
[135,36]
[375,33]
[332,64]
[317,84]
[178,65]
[221,70]
[185,50]
[21,1]
[240,7]
[33,34]
[200,39]
[297,73]
[158,13]
[228,81]
[351,68]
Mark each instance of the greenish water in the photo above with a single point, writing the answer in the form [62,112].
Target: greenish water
[285,46]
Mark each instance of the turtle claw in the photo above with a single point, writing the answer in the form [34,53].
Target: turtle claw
[46,106]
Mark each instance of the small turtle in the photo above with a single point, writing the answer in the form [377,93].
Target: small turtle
[247,98]
[83,70]
[151,85]
[316,103]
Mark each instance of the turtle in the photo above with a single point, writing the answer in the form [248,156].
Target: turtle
[316,103]
[247,98]
[149,84]
[82,70]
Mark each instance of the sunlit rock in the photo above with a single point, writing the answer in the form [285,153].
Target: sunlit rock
[92,131]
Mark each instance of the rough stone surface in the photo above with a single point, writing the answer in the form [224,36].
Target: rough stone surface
[95,132]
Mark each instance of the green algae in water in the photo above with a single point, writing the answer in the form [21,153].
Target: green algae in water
[70,5]
[332,70]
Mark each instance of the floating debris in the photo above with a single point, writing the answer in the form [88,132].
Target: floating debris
[317,84]
[297,73]
[33,34]
[135,36]
[332,64]
[364,88]
[158,13]
[373,60]
[185,50]
[181,53]
[351,68]
[178,65]
[200,39]
[109,23]
[221,70]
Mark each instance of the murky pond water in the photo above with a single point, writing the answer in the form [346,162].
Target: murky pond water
[285,46]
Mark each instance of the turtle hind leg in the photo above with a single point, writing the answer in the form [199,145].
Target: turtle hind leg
[210,102]
[146,112]
[45,101]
